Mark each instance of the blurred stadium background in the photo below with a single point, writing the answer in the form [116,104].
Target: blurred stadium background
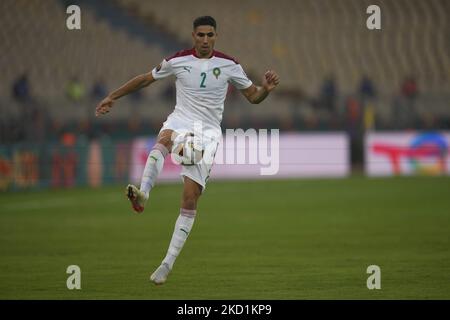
[383,94]
[337,75]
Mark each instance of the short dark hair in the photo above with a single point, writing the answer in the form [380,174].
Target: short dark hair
[205,21]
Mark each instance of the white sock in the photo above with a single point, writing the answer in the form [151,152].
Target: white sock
[183,227]
[153,166]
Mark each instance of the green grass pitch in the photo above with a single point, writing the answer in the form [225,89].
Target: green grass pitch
[291,239]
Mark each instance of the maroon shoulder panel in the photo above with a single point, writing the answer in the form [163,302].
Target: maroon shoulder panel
[181,53]
[222,55]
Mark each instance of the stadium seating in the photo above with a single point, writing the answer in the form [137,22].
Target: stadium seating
[304,40]
[307,39]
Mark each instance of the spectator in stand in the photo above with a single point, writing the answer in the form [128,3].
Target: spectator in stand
[409,92]
[409,88]
[328,94]
[367,88]
[32,117]
[75,90]
[21,89]
[99,90]
[367,93]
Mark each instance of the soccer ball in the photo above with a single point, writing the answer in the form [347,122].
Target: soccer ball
[186,150]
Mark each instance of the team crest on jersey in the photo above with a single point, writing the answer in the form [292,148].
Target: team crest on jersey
[216,72]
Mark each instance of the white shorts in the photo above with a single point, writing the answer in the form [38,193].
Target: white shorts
[210,137]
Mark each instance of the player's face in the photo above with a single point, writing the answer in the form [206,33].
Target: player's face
[204,40]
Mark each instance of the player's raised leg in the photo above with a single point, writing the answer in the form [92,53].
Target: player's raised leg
[155,160]
[183,227]
[153,166]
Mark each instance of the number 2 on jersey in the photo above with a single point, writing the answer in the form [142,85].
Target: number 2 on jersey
[202,84]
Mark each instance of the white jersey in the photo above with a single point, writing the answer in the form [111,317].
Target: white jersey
[202,85]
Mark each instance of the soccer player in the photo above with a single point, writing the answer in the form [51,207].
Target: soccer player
[202,78]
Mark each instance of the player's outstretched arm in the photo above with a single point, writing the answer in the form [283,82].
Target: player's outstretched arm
[256,94]
[134,84]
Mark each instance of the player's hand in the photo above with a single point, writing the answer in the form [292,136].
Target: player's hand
[270,80]
[104,106]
